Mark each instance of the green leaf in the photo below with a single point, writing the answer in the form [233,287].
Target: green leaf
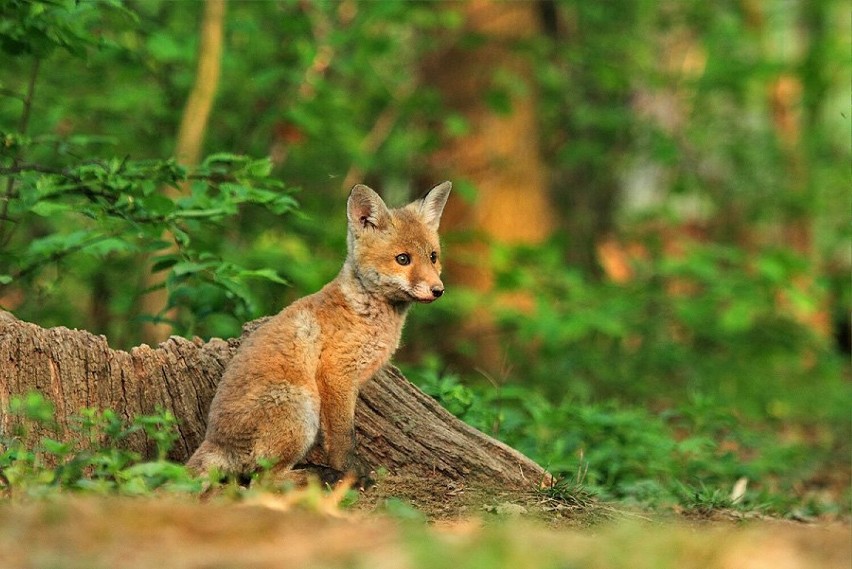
[33,406]
[157,205]
[222,157]
[200,213]
[260,168]
[56,243]
[56,448]
[47,208]
[109,245]
[802,301]
[267,274]
[191,267]
[282,205]
[164,262]
[237,290]
[164,469]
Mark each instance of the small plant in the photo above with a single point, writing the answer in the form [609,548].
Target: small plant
[402,510]
[704,501]
[93,458]
[570,493]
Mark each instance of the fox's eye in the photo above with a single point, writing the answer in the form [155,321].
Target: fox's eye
[403,259]
[433,257]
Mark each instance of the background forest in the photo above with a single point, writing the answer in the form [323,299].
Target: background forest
[647,246]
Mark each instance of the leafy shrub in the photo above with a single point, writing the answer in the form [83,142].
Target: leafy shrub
[708,322]
[626,452]
[76,222]
[93,460]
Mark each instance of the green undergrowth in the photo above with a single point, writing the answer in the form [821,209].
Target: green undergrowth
[92,457]
[686,457]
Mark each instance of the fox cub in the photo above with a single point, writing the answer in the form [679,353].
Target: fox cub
[295,380]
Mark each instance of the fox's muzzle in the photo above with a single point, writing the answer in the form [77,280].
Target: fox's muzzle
[428,293]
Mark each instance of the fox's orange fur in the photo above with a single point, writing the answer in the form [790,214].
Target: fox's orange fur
[295,380]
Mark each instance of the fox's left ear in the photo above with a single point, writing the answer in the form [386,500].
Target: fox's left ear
[432,204]
[365,208]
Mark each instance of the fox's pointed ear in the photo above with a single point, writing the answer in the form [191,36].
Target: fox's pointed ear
[432,205]
[365,208]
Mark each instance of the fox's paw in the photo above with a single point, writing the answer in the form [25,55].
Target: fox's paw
[328,475]
[365,477]
[359,478]
[365,480]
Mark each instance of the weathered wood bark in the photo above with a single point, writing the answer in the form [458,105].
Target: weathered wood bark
[398,426]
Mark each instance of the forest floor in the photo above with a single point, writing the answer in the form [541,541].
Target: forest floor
[379,528]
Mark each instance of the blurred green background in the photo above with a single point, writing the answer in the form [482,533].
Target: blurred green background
[648,245]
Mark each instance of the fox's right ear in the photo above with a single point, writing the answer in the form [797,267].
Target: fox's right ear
[365,208]
[432,205]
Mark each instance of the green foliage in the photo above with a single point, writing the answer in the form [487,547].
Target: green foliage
[114,210]
[402,510]
[41,459]
[41,27]
[118,207]
[690,455]
[572,493]
[704,500]
[95,91]
[66,218]
[94,459]
[710,339]
[715,320]
[677,111]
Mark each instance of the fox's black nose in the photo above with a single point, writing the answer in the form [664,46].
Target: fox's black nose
[437,291]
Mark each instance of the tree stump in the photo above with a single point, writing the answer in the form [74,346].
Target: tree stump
[398,427]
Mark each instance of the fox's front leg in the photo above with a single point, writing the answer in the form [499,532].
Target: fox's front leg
[337,420]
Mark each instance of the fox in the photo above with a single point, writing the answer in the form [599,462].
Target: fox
[290,389]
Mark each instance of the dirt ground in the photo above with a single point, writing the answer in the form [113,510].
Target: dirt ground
[463,528]
[456,500]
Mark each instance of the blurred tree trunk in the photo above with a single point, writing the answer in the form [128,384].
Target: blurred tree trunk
[795,98]
[784,100]
[398,426]
[593,132]
[484,79]
[188,148]
[200,102]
